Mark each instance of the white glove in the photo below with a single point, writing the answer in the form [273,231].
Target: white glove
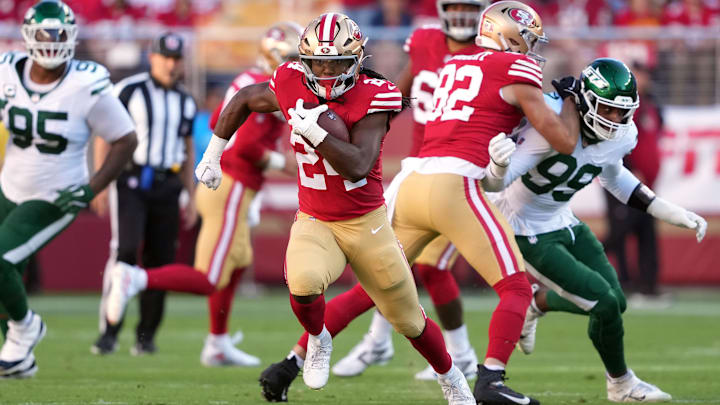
[208,171]
[500,149]
[678,216]
[304,122]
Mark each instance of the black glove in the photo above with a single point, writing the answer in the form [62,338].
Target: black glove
[568,86]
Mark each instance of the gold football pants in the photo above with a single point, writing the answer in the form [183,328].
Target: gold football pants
[456,207]
[319,250]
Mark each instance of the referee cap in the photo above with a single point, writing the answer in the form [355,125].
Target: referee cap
[168,44]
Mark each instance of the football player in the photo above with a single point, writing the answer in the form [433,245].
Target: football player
[342,217]
[560,250]
[428,48]
[51,104]
[223,247]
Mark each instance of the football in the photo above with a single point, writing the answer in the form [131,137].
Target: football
[331,122]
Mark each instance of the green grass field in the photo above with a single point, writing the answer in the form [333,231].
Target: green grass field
[677,349]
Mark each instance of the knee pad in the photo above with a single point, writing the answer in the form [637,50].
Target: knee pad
[302,282]
[440,284]
[607,308]
[515,293]
[410,325]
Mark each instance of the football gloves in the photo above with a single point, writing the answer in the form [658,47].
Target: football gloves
[566,87]
[678,216]
[500,149]
[304,122]
[208,171]
[72,199]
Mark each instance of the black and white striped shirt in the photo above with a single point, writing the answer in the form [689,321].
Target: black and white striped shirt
[163,118]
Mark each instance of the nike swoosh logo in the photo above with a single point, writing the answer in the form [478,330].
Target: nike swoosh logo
[639,399]
[374,231]
[522,401]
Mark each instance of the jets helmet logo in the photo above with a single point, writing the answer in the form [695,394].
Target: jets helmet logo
[595,78]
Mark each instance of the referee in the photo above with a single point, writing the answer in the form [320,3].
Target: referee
[143,202]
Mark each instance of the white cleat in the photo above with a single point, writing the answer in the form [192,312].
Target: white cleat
[467,363]
[27,369]
[363,355]
[220,351]
[126,282]
[455,388]
[526,344]
[629,388]
[16,355]
[316,369]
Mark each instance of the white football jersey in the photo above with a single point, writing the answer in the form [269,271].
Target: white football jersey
[50,126]
[537,202]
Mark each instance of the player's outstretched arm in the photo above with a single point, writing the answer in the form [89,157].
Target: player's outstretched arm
[560,131]
[249,99]
[622,184]
[353,161]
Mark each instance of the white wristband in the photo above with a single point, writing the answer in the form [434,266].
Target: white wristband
[315,134]
[276,160]
[215,148]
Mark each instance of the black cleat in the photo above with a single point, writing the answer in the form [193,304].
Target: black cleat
[143,348]
[105,344]
[276,379]
[490,389]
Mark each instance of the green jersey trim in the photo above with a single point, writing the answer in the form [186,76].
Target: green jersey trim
[20,66]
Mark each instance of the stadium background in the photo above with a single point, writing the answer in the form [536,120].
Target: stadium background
[679,40]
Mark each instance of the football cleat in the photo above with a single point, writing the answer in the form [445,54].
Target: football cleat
[126,282]
[455,388]
[105,344]
[220,351]
[629,388]
[363,355]
[490,389]
[26,370]
[143,348]
[467,363]
[276,379]
[526,344]
[316,369]
[19,343]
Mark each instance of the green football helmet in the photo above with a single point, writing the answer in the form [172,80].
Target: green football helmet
[50,33]
[607,82]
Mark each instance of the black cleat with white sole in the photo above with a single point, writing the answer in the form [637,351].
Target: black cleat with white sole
[276,379]
[490,389]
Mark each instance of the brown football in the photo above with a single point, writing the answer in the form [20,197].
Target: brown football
[331,122]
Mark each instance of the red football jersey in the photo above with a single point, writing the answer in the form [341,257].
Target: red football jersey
[323,193]
[259,133]
[469,109]
[428,52]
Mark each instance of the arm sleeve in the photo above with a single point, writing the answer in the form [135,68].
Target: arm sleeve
[109,119]
[618,181]
[188,119]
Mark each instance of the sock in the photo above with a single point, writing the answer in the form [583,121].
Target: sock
[509,315]
[457,341]
[380,329]
[311,316]
[12,291]
[431,345]
[215,339]
[494,367]
[298,361]
[619,380]
[558,303]
[440,284]
[341,310]
[220,304]
[21,323]
[179,277]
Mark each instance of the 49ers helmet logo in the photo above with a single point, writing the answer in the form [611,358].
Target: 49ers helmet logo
[276,34]
[356,33]
[522,17]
